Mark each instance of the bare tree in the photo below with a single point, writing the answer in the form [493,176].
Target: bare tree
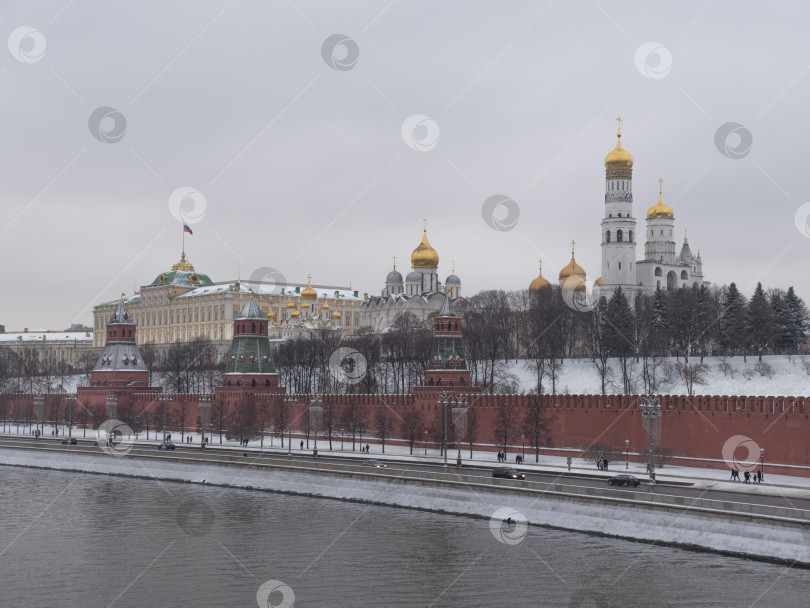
[536,426]
[411,426]
[382,425]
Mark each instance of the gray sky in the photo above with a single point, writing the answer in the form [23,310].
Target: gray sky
[304,167]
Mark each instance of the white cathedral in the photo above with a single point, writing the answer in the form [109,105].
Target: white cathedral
[660,267]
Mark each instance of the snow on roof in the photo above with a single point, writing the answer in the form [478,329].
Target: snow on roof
[50,336]
[267,289]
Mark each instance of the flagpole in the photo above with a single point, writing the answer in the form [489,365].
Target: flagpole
[184,240]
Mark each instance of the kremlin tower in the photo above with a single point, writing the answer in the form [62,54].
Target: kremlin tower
[250,360]
[120,364]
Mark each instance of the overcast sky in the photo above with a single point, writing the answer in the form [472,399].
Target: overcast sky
[299,154]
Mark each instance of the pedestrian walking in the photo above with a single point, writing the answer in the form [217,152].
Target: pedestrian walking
[302,444]
[759,476]
[605,463]
[747,477]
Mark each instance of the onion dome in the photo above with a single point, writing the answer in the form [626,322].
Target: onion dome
[619,158]
[659,209]
[290,304]
[336,314]
[572,268]
[271,315]
[539,283]
[598,282]
[325,306]
[394,276]
[452,279]
[294,314]
[308,293]
[304,304]
[424,256]
[575,283]
[413,277]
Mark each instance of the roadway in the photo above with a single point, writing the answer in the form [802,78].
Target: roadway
[476,469]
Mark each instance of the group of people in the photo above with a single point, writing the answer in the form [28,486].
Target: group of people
[502,458]
[748,477]
[602,464]
[364,450]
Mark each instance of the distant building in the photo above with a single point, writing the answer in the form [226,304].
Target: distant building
[50,347]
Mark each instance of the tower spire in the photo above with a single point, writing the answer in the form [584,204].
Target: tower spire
[660,187]
[619,127]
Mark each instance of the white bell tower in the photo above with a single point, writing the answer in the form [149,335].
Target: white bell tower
[618,224]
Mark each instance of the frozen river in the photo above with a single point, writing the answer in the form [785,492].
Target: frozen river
[88,540]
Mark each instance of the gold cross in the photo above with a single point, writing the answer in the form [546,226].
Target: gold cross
[572,247]
[425,225]
[660,185]
[309,278]
[395,262]
[619,122]
[541,265]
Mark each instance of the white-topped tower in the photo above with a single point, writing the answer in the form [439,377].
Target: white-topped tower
[619,224]
[660,245]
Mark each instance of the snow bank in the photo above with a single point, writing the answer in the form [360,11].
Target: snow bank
[784,376]
[760,540]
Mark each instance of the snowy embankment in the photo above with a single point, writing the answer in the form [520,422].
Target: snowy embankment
[641,522]
[779,375]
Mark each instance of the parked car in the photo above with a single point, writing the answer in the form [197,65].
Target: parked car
[166,445]
[624,480]
[508,473]
[69,441]
[371,462]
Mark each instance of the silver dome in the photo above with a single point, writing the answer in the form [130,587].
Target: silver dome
[413,276]
[393,277]
[452,280]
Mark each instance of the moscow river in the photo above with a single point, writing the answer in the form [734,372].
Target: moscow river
[88,540]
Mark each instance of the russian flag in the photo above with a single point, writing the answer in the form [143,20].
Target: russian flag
[187,229]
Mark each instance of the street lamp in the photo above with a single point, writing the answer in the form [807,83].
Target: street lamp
[361,427]
[762,462]
[626,454]
[289,399]
[651,411]
[70,399]
[204,408]
[272,430]
[426,434]
[523,449]
[315,414]
[39,410]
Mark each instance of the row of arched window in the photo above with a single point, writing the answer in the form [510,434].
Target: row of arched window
[619,236]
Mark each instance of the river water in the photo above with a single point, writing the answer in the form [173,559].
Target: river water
[88,540]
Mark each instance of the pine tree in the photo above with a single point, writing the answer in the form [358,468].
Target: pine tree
[761,327]
[733,322]
[659,321]
[795,316]
[620,334]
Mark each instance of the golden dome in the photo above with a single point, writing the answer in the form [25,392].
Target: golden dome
[659,209]
[619,158]
[424,256]
[271,315]
[308,293]
[294,314]
[539,283]
[598,282]
[304,304]
[336,314]
[572,268]
[290,304]
[325,306]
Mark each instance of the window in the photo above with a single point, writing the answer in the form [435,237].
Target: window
[630,237]
[607,236]
[684,275]
[620,215]
[620,265]
[658,272]
[618,236]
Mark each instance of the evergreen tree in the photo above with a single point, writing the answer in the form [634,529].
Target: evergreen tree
[761,328]
[659,321]
[793,315]
[620,335]
[733,322]
[704,320]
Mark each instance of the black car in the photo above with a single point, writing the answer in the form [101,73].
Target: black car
[624,480]
[166,445]
[69,441]
[508,473]
[371,462]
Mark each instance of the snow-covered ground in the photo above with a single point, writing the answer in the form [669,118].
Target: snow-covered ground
[631,522]
[780,376]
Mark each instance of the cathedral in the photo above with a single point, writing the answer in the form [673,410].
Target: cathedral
[661,267]
[421,293]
